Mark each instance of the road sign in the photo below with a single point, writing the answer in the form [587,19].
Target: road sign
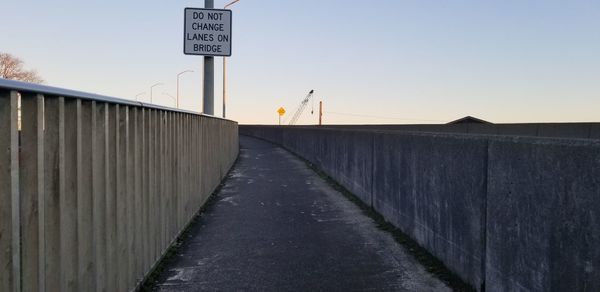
[207,32]
[281,111]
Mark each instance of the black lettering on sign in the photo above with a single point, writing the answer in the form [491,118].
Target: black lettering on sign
[200,37]
[223,38]
[198,15]
[215,15]
[208,48]
[208,26]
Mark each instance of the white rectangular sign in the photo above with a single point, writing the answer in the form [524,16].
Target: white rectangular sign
[207,32]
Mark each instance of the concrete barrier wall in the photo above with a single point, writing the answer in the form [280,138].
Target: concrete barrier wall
[93,192]
[505,214]
[432,187]
[543,215]
[553,130]
[347,157]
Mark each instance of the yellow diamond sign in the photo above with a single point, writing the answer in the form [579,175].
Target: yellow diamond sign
[281,111]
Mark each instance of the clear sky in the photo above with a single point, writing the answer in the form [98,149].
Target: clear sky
[379,61]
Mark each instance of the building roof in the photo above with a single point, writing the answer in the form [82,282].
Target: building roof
[469,120]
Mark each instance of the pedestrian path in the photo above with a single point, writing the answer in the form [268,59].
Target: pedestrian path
[277,226]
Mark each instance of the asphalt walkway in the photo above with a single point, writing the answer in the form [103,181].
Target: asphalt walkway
[278,226]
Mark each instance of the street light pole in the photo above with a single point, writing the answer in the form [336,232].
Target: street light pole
[151,87]
[230,3]
[224,85]
[179,74]
[225,70]
[209,76]
[173,98]
[137,95]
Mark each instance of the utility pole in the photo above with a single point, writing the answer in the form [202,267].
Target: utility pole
[209,76]
[320,113]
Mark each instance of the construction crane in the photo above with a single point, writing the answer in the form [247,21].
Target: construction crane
[301,108]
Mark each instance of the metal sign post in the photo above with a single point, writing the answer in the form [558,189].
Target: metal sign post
[207,32]
[281,112]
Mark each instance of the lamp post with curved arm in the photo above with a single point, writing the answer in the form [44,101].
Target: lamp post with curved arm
[173,98]
[225,70]
[156,84]
[138,95]
[178,75]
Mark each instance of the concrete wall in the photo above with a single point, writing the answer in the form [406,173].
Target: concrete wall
[555,130]
[96,191]
[432,187]
[504,213]
[543,215]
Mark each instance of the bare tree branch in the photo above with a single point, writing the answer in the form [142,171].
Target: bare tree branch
[11,67]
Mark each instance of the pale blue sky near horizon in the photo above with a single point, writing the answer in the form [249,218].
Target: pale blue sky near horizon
[387,61]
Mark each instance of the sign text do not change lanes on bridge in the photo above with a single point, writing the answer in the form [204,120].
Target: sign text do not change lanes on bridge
[207,32]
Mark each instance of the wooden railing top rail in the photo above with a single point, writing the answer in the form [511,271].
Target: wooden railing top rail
[25,87]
